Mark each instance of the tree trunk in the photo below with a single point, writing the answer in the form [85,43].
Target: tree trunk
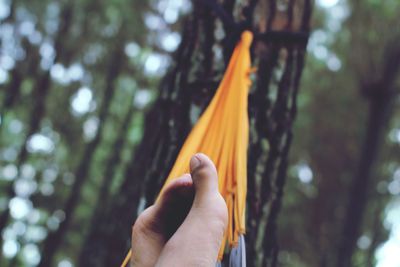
[108,239]
[104,193]
[40,92]
[380,94]
[181,95]
[81,174]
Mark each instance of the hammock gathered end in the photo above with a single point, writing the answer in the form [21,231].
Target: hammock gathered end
[222,133]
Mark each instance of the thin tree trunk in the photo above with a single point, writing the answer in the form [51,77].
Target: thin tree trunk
[379,234]
[54,239]
[109,173]
[40,92]
[380,95]
[377,117]
[13,89]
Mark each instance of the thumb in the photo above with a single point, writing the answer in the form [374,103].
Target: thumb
[204,175]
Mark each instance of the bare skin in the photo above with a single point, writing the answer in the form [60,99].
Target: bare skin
[186,226]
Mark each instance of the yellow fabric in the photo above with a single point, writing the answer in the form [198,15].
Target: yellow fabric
[222,133]
[127,259]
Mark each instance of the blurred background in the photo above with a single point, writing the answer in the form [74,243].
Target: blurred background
[96,98]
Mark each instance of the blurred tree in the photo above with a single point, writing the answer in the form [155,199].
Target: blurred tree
[340,183]
[380,90]
[40,91]
[53,241]
[51,41]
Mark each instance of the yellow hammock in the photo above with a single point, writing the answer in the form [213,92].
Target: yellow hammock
[222,133]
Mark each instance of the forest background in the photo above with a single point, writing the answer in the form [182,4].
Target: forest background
[96,98]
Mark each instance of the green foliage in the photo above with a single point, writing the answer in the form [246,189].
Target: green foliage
[346,52]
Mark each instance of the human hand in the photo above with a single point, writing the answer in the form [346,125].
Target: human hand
[186,225]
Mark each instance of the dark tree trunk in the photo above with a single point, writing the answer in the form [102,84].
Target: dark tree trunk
[81,174]
[168,122]
[109,238]
[104,193]
[380,94]
[13,88]
[273,119]
[378,232]
[40,91]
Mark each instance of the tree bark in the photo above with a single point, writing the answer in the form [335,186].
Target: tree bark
[273,123]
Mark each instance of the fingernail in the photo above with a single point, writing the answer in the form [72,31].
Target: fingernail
[194,162]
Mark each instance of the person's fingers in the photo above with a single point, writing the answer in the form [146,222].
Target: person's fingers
[181,186]
[158,222]
[146,244]
[197,241]
[174,205]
